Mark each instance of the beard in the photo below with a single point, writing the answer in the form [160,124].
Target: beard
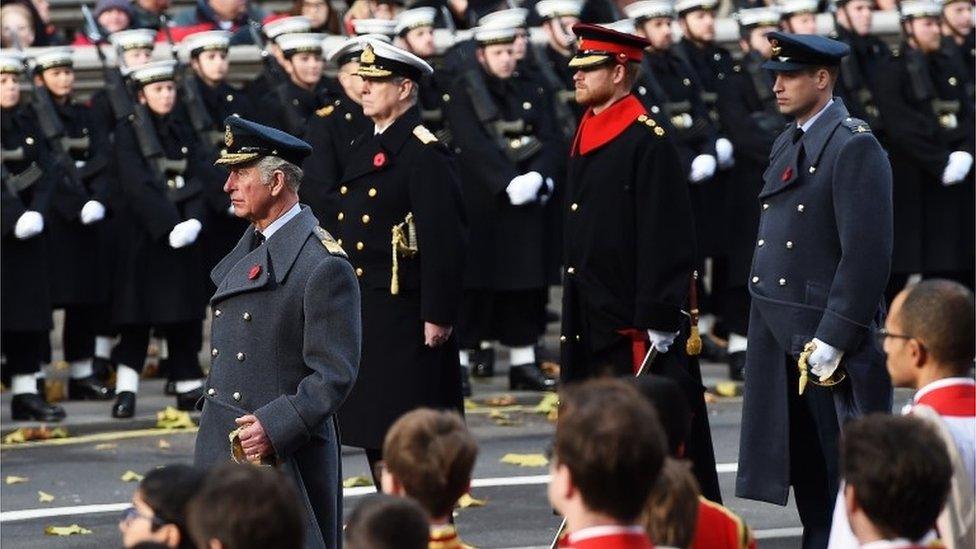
[593,96]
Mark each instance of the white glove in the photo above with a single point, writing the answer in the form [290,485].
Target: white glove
[661,340]
[723,148]
[702,167]
[957,167]
[824,359]
[30,223]
[92,212]
[524,188]
[184,233]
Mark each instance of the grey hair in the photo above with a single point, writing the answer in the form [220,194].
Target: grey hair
[414,89]
[269,164]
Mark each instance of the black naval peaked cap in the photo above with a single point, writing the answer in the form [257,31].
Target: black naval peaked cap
[246,141]
[794,52]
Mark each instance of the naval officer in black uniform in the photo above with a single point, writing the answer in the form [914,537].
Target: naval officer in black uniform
[818,276]
[402,223]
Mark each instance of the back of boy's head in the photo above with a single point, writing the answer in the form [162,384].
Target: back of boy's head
[431,453]
[167,490]
[672,409]
[900,472]
[609,438]
[940,313]
[247,507]
[386,522]
[671,512]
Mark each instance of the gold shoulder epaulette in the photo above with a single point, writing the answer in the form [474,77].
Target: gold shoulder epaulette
[329,243]
[652,124]
[424,135]
[325,111]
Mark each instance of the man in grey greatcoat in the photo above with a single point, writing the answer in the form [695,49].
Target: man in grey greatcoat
[286,331]
[821,263]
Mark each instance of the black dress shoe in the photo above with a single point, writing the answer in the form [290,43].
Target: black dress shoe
[29,406]
[187,401]
[103,368]
[125,405]
[483,362]
[529,377]
[465,382]
[737,365]
[712,349]
[88,388]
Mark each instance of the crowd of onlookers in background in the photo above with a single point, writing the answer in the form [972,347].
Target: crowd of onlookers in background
[616,466]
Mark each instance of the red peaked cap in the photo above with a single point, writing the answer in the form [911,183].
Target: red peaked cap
[595,40]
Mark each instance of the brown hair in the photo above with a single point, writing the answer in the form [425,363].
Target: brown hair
[247,507]
[671,512]
[331,25]
[609,438]
[431,453]
[385,522]
[940,314]
[900,471]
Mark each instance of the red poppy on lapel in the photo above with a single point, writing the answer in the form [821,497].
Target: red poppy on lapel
[254,272]
[787,174]
[379,159]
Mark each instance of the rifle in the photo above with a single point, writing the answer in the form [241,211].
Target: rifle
[275,75]
[52,128]
[118,93]
[516,150]
[200,119]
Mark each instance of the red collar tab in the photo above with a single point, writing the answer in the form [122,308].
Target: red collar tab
[596,130]
[952,400]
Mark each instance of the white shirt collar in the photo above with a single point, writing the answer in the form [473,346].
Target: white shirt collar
[942,383]
[806,125]
[378,130]
[280,222]
[601,531]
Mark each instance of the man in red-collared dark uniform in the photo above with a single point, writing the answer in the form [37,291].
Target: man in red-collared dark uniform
[629,237]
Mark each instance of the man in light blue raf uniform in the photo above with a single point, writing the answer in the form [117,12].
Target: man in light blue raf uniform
[818,276]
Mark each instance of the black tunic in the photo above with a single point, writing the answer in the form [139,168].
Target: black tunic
[156,284]
[857,82]
[507,242]
[934,224]
[289,106]
[25,292]
[403,170]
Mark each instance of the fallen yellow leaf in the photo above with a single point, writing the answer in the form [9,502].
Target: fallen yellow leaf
[25,434]
[353,482]
[525,460]
[503,419]
[66,530]
[171,418]
[500,400]
[44,497]
[131,476]
[15,480]
[548,403]
[728,389]
[163,445]
[467,500]
[470,404]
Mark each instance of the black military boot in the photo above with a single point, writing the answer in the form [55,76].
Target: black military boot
[187,401]
[103,368]
[737,365]
[31,407]
[529,377]
[125,405]
[89,388]
[483,362]
[465,382]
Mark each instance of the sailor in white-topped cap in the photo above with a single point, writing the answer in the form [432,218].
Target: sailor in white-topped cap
[398,175]
[853,24]
[513,18]
[958,31]
[385,27]
[332,130]
[415,33]
[198,42]
[273,72]
[799,16]
[644,10]
[415,18]
[626,26]
[293,102]
[11,62]
[509,155]
[159,255]
[286,25]
[134,45]
[552,59]
[74,233]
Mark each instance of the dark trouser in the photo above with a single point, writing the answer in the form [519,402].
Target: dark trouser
[25,351]
[183,340]
[514,319]
[814,435]
[78,333]
[735,309]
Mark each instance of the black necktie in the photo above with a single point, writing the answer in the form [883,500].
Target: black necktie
[797,134]
[256,240]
